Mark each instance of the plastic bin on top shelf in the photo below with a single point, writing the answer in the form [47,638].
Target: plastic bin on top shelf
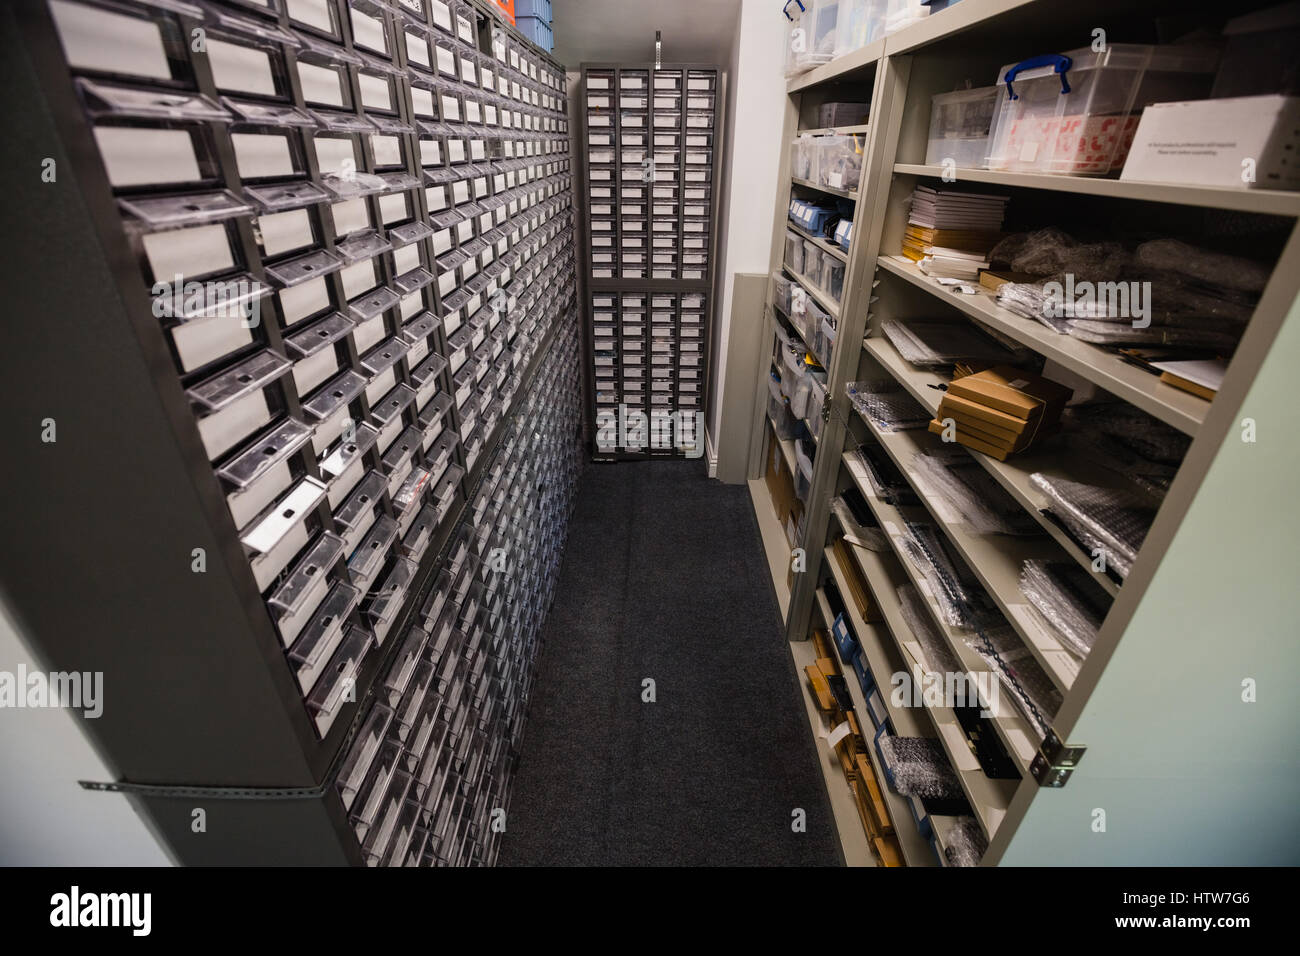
[534,8]
[960,124]
[1076,113]
[859,22]
[537,30]
[811,36]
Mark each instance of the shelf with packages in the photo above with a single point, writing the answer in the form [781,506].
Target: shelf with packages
[1017,736]
[794,327]
[1013,474]
[1172,406]
[821,242]
[1274,202]
[816,291]
[936,86]
[853,838]
[989,797]
[995,559]
[883,659]
[838,69]
[829,190]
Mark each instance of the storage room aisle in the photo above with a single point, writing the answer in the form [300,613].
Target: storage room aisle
[664,579]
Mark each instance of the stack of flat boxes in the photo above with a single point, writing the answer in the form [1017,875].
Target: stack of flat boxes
[396,202]
[650,165]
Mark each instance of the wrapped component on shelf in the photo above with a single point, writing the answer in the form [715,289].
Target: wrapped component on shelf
[938,655]
[1019,673]
[886,481]
[1210,268]
[1111,523]
[1067,600]
[940,345]
[1142,433]
[972,493]
[1054,252]
[966,842]
[961,599]
[918,767]
[886,405]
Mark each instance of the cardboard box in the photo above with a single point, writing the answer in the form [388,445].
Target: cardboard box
[872,796]
[820,689]
[1239,142]
[822,642]
[982,430]
[888,850]
[967,439]
[861,594]
[983,417]
[993,279]
[1020,394]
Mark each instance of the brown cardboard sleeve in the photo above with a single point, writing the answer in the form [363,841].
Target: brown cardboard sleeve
[1012,390]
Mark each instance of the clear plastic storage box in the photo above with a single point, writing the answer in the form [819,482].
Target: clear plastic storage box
[811,38]
[803,159]
[812,262]
[794,252]
[1076,113]
[832,275]
[960,124]
[859,23]
[839,161]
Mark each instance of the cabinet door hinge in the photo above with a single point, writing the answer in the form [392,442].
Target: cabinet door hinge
[1055,761]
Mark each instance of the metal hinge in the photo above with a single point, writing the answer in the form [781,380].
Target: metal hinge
[1055,761]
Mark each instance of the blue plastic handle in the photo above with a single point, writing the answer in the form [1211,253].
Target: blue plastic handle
[786,9]
[1059,61]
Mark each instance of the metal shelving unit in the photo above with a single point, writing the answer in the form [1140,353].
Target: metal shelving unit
[253,634]
[652,143]
[898,74]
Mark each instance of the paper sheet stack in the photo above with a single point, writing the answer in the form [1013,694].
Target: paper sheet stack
[950,232]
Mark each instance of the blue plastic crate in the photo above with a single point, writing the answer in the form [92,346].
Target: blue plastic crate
[537,30]
[534,8]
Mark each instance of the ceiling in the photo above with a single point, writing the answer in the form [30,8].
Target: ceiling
[617,31]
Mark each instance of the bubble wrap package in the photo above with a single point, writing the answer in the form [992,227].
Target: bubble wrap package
[1019,674]
[1054,252]
[962,601]
[1067,600]
[1211,268]
[920,768]
[940,345]
[887,406]
[938,655]
[984,505]
[1110,519]
[966,842]
[1138,431]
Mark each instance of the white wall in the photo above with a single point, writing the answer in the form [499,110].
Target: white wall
[45,818]
[756,103]
[1188,773]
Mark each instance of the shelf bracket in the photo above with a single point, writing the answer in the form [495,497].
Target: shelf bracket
[211,793]
[1055,761]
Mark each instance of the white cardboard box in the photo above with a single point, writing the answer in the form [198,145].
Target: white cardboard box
[1238,142]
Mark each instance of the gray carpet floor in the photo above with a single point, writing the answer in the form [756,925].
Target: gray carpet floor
[665,578]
